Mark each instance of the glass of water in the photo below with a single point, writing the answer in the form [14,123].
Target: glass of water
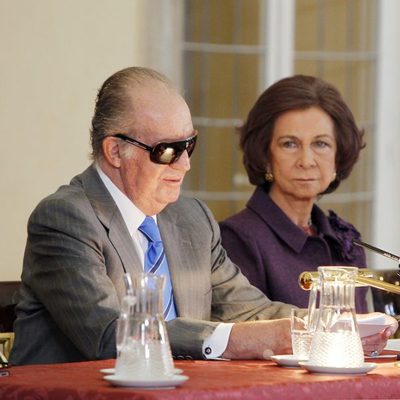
[301,336]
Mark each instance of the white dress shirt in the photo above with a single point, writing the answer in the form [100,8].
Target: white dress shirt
[216,343]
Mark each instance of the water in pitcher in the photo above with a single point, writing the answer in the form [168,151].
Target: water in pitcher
[143,349]
[336,340]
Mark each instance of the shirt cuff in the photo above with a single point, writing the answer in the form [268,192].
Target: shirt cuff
[215,345]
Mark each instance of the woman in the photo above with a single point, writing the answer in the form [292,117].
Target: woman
[299,142]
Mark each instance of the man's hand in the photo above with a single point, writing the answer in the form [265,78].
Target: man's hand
[259,339]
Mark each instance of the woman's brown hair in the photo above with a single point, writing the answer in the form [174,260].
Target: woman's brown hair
[296,93]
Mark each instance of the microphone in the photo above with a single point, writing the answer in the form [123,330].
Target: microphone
[379,251]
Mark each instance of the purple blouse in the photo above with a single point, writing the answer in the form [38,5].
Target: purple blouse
[272,251]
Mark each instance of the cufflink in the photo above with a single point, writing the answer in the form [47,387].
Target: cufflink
[208,350]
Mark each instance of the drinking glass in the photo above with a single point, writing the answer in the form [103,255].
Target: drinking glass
[301,335]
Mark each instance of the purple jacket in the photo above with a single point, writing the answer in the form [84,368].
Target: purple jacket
[272,251]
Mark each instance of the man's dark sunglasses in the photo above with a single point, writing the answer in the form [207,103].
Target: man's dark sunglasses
[164,152]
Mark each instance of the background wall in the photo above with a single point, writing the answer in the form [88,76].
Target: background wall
[386,212]
[54,56]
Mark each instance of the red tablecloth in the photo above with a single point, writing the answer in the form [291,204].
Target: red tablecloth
[207,380]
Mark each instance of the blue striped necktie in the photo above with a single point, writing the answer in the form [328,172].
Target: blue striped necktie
[155,261]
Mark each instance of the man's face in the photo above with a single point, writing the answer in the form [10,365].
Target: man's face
[161,116]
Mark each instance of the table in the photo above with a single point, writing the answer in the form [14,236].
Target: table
[208,380]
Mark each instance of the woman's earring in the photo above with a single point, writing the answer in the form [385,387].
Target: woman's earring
[333,176]
[269,177]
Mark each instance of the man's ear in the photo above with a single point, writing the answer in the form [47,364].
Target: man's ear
[111,152]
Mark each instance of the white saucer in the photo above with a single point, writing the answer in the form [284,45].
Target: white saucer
[111,371]
[334,370]
[287,360]
[393,344]
[166,383]
[108,371]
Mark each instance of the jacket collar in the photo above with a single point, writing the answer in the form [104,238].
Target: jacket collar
[108,214]
[261,204]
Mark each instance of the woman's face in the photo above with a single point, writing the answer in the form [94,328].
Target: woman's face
[302,154]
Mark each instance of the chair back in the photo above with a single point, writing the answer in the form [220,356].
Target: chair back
[8,301]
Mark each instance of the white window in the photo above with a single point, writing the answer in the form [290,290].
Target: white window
[225,53]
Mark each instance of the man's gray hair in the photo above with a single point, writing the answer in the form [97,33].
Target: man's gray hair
[114,107]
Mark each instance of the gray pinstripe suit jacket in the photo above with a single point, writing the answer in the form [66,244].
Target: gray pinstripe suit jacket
[77,250]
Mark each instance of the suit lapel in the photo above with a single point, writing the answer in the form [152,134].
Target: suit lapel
[109,215]
[184,270]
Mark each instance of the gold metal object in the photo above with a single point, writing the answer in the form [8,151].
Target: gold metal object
[366,277]
[6,342]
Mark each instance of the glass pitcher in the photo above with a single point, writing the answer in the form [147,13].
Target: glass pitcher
[313,306]
[144,351]
[336,341]
[128,301]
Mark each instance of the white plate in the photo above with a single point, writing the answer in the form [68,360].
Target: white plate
[393,344]
[287,360]
[111,371]
[108,371]
[334,370]
[167,383]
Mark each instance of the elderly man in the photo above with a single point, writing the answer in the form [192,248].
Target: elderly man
[84,237]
